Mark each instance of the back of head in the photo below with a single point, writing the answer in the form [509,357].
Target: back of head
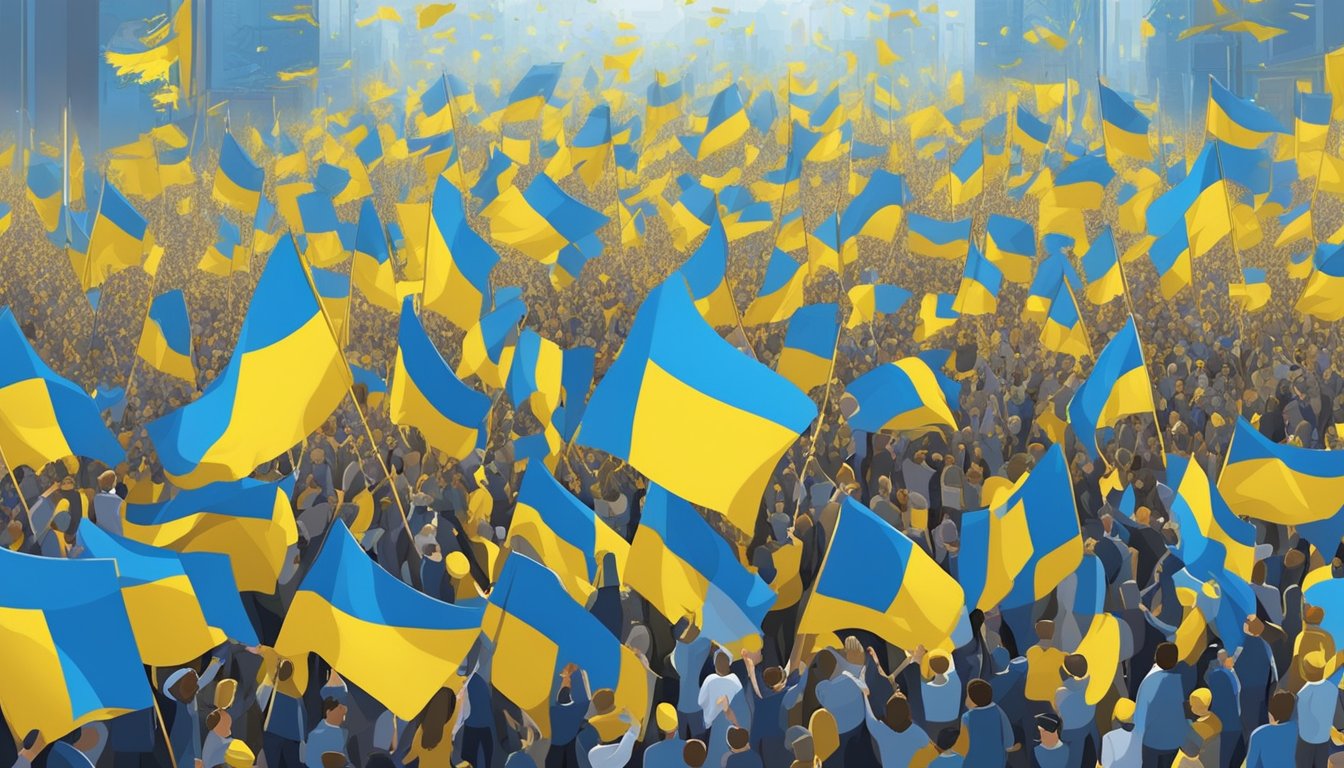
[898,714]
[947,738]
[825,664]
[1166,656]
[939,662]
[1045,629]
[738,738]
[1281,706]
[772,676]
[694,753]
[1075,664]
[980,692]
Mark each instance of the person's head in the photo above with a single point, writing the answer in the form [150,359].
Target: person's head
[334,760]
[723,663]
[1200,701]
[1047,725]
[773,678]
[603,701]
[1123,711]
[219,722]
[947,738]
[184,685]
[1045,629]
[1281,706]
[107,480]
[1313,615]
[1143,515]
[436,716]
[738,739]
[897,715]
[979,693]
[939,662]
[1166,656]
[333,711]
[666,715]
[825,664]
[694,753]
[1075,666]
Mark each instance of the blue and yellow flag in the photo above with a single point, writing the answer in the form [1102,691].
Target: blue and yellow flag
[1252,294]
[319,232]
[1212,538]
[531,94]
[562,533]
[6,217]
[781,291]
[1323,295]
[1284,485]
[117,241]
[487,349]
[1029,132]
[915,603]
[966,179]
[706,275]
[576,378]
[458,262]
[44,192]
[1124,128]
[591,147]
[436,114]
[180,605]
[1295,225]
[910,395]
[333,290]
[1170,255]
[1236,121]
[535,629]
[536,375]
[371,270]
[726,124]
[427,396]
[44,417]
[978,293]
[937,239]
[226,254]
[238,180]
[1118,386]
[541,220]
[1080,185]
[1198,201]
[809,346]
[877,210]
[70,656]
[867,301]
[1310,128]
[497,176]
[691,412]
[1020,548]
[165,341]
[685,568]
[397,644]
[1010,245]
[1054,269]
[1063,331]
[244,419]
[249,520]
[662,105]
[1101,267]
[936,314]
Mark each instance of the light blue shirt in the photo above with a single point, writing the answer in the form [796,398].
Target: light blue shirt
[842,697]
[1316,711]
[665,754]
[324,738]
[942,703]
[895,748]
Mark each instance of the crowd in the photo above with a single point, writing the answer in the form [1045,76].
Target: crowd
[1012,694]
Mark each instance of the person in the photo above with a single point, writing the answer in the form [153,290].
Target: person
[990,734]
[897,736]
[285,724]
[940,691]
[843,695]
[432,743]
[329,735]
[1119,747]
[1225,689]
[1272,742]
[1077,717]
[946,744]
[740,753]
[1160,709]
[1043,664]
[1207,729]
[688,660]
[694,753]
[567,718]
[667,752]
[767,711]
[720,692]
[1051,752]
[615,753]
[181,688]
[219,730]
[1317,702]
[478,721]
[107,505]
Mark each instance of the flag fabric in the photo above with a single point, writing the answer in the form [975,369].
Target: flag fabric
[726,124]
[487,349]
[1117,386]
[238,180]
[692,413]
[1253,293]
[180,605]
[1295,225]
[910,395]
[706,275]
[1284,484]
[371,269]
[867,301]
[824,248]
[562,533]
[591,147]
[1124,128]
[535,629]
[243,419]
[1323,295]
[1101,267]
[541,220]
[662,105]
[536,375]
[915,603]
[226,254]
[117,241]
[936,314]
[71,657]
[1029,132]
[937,239]
[427,396]
[1236,121]
[685,568]
[978,293]
[1212,539]
[1063,331]
[966,178]
[397,644]
[1010,245]
[320,229]
[1019,550]
[809,346]
[531,94]
[877,210]
[44,187]
[43,416]
[249,520]
[781,291]
[458,262]
[1170,255]
[1198,201]
[165,341]
[1081,184]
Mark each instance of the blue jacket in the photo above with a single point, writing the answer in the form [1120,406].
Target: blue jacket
[1160,711]
[1270,743]
[990,735]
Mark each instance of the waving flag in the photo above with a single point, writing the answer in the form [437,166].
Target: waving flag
[1010,245]
[937,239]
[910,395]
[1284,484]
[1118,386]
[165,341]
[727,123]
[426,395]
[706,274]
[781,291]
[457,261]
[1252,294]
[1063,331]
[1212,540]
[867,301]
[371,270]
[936,314]
[809,346]
[1238,122]
[487,349]
[238,180]
[877,210]
[967,177]
[1323,296]
[117,241]
[1029,132]
[1101,267]
[1198,202]
[1124,128]
[978,293]
[541,220]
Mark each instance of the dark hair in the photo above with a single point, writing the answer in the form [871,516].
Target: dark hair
[1048,723]
[435,716]
[772,676]
[947,738]
[285,670]
[694,753]
[212,719]
[979,692]
[898,714]
[330,703]
[1166,655]
[738,737]
[1076,665]
[1281,706]
[31,738]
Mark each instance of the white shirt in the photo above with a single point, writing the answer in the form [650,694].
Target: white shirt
[716,686]
[614,755]
[1119,749]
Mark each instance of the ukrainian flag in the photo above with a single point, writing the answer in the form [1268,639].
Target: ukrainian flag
[436,115]
[165,341]
[238,180]
[497,176]
[1198,201]
[1171,258]
[371,269]
[1296,225]
[914,603]
[809,346]
[781,291]
[1064,331]
[867,301]
[967,176]
[117,241]
[576,378]
[180,605]
[936,314]
[910,395]
[1010,245]
[438,154]
[226,255]
[726,124]
[487,349]
[1054,268]
[541,220]
[1081,184]
[333,289]
[791,236]
[1118,386]
[937,239]
[684,567]
[397,644]
[1029,132]
[1018,550]
[536,374]
[6,217]
[662,104]
[569,264]
[44,192]
[980,284]
[1323,296]
[321,230]
[692,413]
[374,386]
[458,262]
[1284,484]
[1253,293]
[70,656]
[824,250]
[245,417]
[689,217]
[1212,538]
[592,146]
[1300,265]
[535,629]
[1237,122]
[532,93]
[706,275]
[427,396]
[564,535]
[877,210]
[1123,127]
[44,417]
[1312,126]
[1101,267]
